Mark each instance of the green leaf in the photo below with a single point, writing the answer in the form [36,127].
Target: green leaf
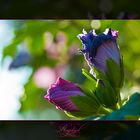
[129,117]
[36,44]
[32,98]
[9,50]
[43,60]
[131,110]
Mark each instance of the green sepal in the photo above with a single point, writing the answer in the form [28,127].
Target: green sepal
[87,107]
[122,72]
[88,75]
[99,75]
[115,73]
[89,91]
[89,85]
[106,94]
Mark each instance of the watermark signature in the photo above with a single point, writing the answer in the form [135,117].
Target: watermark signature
[70,129]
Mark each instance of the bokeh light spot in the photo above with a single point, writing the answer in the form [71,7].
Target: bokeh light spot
[96,24]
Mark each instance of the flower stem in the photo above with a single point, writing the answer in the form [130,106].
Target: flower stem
[119,98]
[104,110]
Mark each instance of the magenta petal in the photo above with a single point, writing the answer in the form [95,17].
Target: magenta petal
[114,33]
[59,94]
[111,32]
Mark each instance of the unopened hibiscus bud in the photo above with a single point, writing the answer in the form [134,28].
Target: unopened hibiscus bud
[102,52]
[60,93]
[73,100]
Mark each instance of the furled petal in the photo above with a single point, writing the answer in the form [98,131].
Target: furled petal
[87,39]
[60,93]
[111,32]
[98,48]
[107,50]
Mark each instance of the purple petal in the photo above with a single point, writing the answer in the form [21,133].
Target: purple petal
[107,50]
[111,32]
[87,38]
[59,94]
[98,48]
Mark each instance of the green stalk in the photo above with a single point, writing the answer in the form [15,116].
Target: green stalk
[103,110]
[119,99]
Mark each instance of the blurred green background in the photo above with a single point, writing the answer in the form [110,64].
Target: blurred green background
[39,51]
